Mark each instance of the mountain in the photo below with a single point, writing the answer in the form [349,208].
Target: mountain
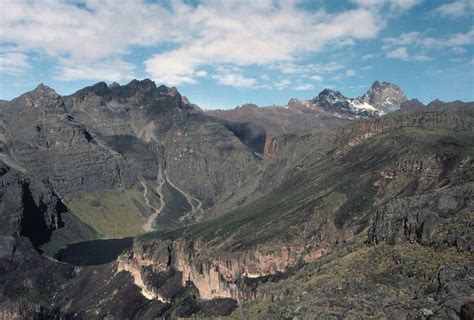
[329,108]
[159,209]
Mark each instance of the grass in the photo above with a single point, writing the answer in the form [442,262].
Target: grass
[342,279]
[112,213]
[287,211]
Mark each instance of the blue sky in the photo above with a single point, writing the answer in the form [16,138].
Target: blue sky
[221,54]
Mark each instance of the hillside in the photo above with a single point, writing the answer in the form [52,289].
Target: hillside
[358,215]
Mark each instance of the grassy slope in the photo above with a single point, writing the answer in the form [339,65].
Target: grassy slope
[112,213]
[339,187]
[357,284]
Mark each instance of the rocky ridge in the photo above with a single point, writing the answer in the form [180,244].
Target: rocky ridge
[308,214]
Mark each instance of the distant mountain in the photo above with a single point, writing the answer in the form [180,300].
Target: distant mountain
[329,108]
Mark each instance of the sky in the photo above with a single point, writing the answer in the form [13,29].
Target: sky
[221,54]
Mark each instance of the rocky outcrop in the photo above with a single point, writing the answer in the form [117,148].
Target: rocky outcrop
[208,158]
[271,148]
[426,200]
[223,276]
[18,310]
[28,208]
[362,130]
[45,140]
[384,96]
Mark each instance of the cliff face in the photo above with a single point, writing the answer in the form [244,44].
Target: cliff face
[360,131]
[214,276]
[441,212]
[270,149]
[28,208]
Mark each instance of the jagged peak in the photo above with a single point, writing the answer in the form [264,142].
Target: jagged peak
[42,96]
[145,84]
[327,91]
[43,89]
[384,84]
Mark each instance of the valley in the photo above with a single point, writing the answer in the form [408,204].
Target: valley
[130,202]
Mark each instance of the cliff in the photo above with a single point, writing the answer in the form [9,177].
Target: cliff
[214,276]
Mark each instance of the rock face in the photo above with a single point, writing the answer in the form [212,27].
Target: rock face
[436,218]
[207,159]
[225,277]
[385,97]
[29,209]
[43,138]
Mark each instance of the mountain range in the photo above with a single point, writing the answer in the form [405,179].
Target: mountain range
[130,202]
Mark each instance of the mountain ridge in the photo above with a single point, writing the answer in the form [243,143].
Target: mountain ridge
[244,217]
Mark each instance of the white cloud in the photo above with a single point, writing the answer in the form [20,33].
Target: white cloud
[305,87]
[232,77]
[14,63]
[201,73]
[424,42]
[350,73]
[369,56]
[267,33]
[394,5]
[257,33]
[317,78]
[293,68]
[112,70]
[402,54]
[456,9]
[282,84]
[403,5]
[397,47]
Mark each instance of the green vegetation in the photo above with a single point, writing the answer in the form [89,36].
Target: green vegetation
[307,200]
[113,213]
[353,279]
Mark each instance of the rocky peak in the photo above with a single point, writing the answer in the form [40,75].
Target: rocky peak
[42,97]
[329,97]
[384,96]
[44,90]
[114,85]
[249,106]
[145,84]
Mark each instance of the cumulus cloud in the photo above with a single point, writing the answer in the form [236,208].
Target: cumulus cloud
[233,77]
[397,47]
[209,33]
[402,54]
[424,42]
[317,78]
[14,63]
[350,73]
[257,33]
[305,87]
[456,9]
[112,70]
[282,84]
[394,5]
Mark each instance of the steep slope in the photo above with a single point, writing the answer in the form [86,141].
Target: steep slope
[206,161]
[30,211]
[121,156]
[388,182]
